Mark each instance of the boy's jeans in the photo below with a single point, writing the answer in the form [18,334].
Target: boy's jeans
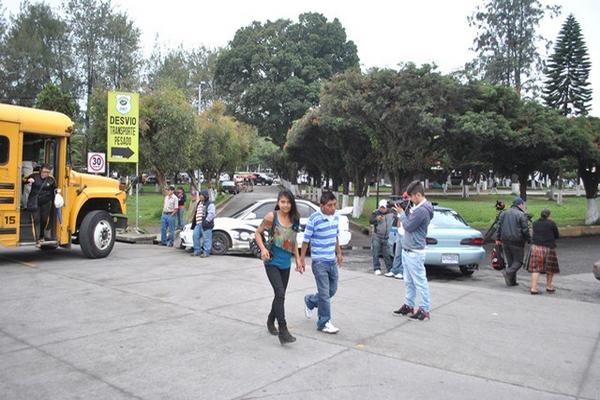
[415,278]
[196,238]
[207,241]
[326,276]
[180,212]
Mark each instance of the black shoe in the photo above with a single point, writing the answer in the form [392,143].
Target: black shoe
[271,326]
[285,336]
[404,310]
[420,315]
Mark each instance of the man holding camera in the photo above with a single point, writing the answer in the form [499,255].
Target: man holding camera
[415,222]
[513,233]
[382,220]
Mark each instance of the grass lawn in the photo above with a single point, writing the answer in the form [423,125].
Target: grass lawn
[151,204]
[479,211]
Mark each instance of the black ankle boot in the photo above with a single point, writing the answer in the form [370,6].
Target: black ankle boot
[271,326]
[285,336]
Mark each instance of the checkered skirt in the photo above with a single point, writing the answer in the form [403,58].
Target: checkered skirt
[542,259]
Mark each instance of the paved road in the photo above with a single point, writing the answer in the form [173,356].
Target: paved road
[151,322]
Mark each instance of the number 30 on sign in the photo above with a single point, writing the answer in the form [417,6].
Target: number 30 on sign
[96,163]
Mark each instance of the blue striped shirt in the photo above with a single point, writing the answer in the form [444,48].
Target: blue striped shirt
[322,232]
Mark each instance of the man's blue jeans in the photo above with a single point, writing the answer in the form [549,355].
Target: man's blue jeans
[326,276]
[167,221]
[380,247]
[397,263]
[196,236]
[415,278]
[207,241]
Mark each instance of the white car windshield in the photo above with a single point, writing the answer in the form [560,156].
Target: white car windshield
[447,219]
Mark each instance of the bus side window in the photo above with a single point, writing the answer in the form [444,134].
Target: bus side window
[4,147]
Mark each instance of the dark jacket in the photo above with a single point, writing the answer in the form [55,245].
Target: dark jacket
[208,219]
[181,200]
[42,190]
[513,227]
[415,226]
[382,228]
[545,233]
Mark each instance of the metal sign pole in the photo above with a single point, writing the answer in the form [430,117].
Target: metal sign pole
[137,197]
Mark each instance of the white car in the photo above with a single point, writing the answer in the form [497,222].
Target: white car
[233,234]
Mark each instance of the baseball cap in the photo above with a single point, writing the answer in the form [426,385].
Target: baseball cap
[382,203]
[518,201]
[171,187]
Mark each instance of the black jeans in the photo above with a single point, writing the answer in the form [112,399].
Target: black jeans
[41,217]
[514,260]
[279,280]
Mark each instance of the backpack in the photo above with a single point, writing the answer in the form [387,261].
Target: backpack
[497,258]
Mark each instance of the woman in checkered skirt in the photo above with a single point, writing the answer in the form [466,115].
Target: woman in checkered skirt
[542,258]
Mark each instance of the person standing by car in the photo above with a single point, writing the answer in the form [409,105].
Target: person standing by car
[284,224]
[413,252]
[180,207]
[39,202]
[321,233]
[198,221]
[208,222]
[543,257]
[167,220]
[513,233]
[382,221]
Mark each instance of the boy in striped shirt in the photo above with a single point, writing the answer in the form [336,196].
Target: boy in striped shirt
[321,233]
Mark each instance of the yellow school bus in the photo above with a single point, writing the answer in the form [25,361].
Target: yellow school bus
[94,206]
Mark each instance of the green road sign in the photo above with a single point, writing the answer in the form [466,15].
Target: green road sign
[122,127]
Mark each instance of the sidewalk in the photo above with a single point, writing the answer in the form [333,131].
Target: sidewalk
[154,323]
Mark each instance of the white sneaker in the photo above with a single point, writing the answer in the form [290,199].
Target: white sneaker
[307,311]
[389,274]
[329,328]
[377,272]
[398,276]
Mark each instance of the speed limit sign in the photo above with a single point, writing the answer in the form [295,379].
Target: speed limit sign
[97,163]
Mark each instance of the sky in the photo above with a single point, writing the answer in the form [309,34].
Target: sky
[386,32]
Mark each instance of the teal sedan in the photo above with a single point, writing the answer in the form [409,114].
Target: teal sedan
[452,242]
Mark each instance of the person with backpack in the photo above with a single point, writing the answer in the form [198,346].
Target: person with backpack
[282,225]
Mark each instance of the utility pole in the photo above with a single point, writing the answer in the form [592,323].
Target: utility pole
[200,96]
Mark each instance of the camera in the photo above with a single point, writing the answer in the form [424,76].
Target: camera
[402,203]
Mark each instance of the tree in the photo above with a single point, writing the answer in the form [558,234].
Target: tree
[36,51]
[507,42]
[121,55]
[107,46]
[271,72]
[221,144]
[536,134]
[584,146]
[185,70]
[263,154]
[567,86]
[406,112]
[53,99]
[167,127]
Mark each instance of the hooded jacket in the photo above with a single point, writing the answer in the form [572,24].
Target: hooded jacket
[415,224]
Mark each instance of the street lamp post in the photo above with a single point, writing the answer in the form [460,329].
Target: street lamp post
[200,96]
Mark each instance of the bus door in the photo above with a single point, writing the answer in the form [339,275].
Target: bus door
[10,183]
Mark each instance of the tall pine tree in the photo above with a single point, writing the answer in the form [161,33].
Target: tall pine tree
[567,86]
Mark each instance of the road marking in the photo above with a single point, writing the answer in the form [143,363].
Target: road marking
[26,264]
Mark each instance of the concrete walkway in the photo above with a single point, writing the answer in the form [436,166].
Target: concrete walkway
[155,323]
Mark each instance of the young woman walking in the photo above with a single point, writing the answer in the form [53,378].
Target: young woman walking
[284,224]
